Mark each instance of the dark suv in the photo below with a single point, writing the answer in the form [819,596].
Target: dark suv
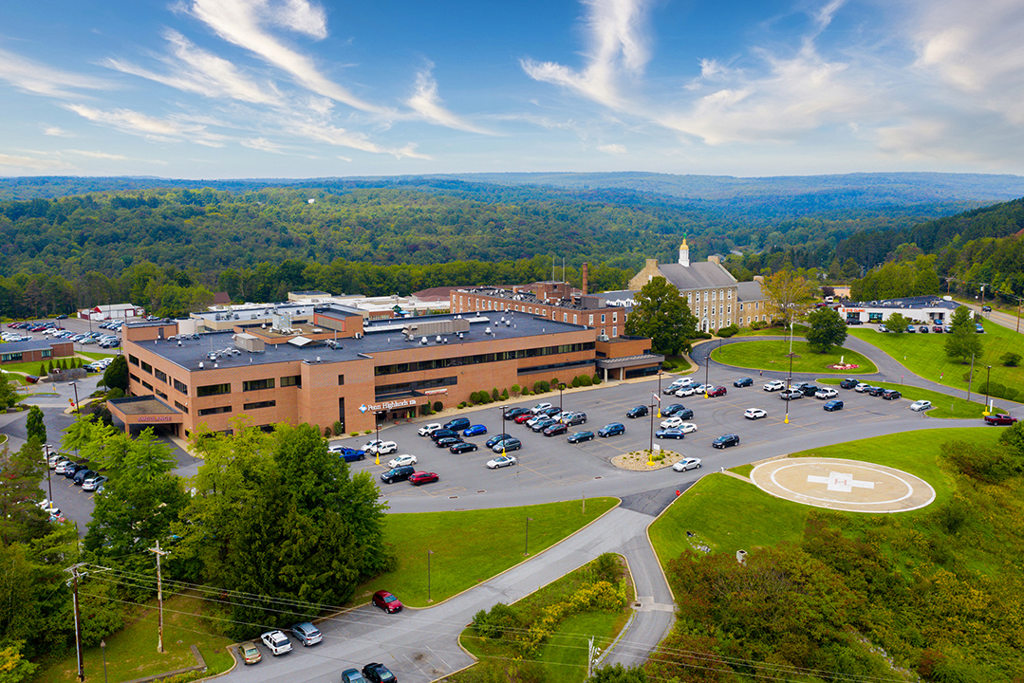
[891,395]
[457,424]
[576,419]
[439,434]
[397,474]
[848,383]
[809,389]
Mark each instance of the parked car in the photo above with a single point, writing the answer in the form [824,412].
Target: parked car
[754,413]
[743,382]
[541,425]
[979,328]
[774,385]
[577,418]
[386,601]
[807,389]
[826,393]
[556,429]
[442,433]
[447,442]
[687,464]
[277,642]
[428,429]
[539,407]
[911,329]
[418,478]
[918,406]
[612,429]
[923,329]
[834,404]
[687,390]
[72,469]
[716,391]
[891,395]
[249,652]
[94,483]
[672,422]
[999,419]
[676,385]
[680,412]
[463,447]
[352,676]
[580,437]
[380,447]
[883,328]
[510,444]
[671,409]
[307,634]
[81,475]
[513,413]
[726,440]
[397,474]
[673,433]
[791,395]
[496,438]
[474,430]
[501,461]
[457,423]
[861,387]
[376,672]
[874,391]
[636,411]
[937,328]
[986,308]
[402,461]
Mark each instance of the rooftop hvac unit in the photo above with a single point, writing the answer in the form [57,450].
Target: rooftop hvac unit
[200,365]
[487,330]
[423,341]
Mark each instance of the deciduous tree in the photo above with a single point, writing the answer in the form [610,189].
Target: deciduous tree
[827,330]
[34,425]
[962,343]
[662,314]
[788,295]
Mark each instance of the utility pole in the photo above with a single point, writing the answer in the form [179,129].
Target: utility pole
[78,618]
[159,598]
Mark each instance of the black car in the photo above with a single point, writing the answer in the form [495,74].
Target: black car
[848,383]
[375,672]
[71,470]
[448,441]
[891,395]
[442,433]
[513,413]
[726,440]
[556,429]
[397,474]
[509,444]
[81,475]
[541,425]
[552,411]
[874,391]
[496,438]
[580,437]
[809,389]
[680,412]
[670,411]
[462,447]
[744,382]
[638,411]
[457,424]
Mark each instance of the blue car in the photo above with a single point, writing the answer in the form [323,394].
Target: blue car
[352,455]
[474,430]
[496,438]
[612,429]
[580,437]
[744,382]
[832,405]
[669,434]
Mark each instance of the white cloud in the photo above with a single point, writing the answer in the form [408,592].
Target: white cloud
[333,135]
[137,123]
[21,164]
[39,79]
[57,132]
[97,155]
[427,104]
[242,23]
[262,144]
[612,148]
[192,69]
[618,42]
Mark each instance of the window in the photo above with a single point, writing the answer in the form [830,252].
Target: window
[132,377]
[291,381]
[147,385]
[590,320]
[259,404]
[213,389]
[615,331]
[10,356]
[574,319]
[602,318]
[180,386]
[214,411]
[146,367]
[741,305]
[615,317]
[180,407]
[133,360]
[161,394]
[258,384]
[341,380]
[47,353]
[160,375]
[565,317]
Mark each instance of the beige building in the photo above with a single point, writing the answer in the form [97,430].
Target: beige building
[714,296]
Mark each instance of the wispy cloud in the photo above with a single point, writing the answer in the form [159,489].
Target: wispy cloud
[97,155]
[244,22]
[57,132]
[32,164]
[137,123]
[426,102]
[262,144]
[34,77]
[613,148]
[333,135]
[618,42]
[192,69]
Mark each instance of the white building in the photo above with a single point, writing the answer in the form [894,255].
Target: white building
[112,312]
[922,310]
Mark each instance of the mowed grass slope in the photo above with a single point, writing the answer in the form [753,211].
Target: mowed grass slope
[772,354]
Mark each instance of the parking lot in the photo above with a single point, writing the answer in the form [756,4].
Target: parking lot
[548,463]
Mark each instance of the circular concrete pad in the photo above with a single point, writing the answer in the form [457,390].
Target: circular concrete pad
[838,484]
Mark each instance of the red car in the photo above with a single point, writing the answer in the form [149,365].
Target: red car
[717,391]
[999,420]
[521,419]
[417,478]
[387,602]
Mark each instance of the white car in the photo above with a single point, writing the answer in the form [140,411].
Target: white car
[380,447]
[277,642]
[427,430]
[687,464]
[402,460]
[501,461]
[918,406]
[826,393]
[774,385]
[688,390]
[671,423]
[754,413]
[539,407]
[861,387]
[687,428]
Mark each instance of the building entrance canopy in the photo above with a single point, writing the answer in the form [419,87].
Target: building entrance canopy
[144,411]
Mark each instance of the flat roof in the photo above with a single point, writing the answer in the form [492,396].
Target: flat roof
[143,405]
[377,337]
[528,297]
[911,302]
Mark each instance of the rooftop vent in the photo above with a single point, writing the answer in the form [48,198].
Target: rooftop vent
[423,341]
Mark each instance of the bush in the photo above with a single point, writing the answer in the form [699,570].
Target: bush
[728,331]
[585,380]
[701,335]
[42,370]
[338,428]
[425,409]
[996,390]
[504,394]
[353,433]
[462,405]
[327,432]
[596,379]
[541,387]
[496,623]
[758,325]
[116,392]
[495,395]
[1010,359]
[554,382]
[516,389]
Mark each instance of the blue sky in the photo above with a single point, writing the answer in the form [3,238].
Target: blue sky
[300,88]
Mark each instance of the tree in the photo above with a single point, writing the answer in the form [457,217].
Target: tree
[14,667]
[962,343]
[34,425]
[827,330]
[897,323]
[22,474]
[618,674]
[8,396]
[116,374]
[788,295]
[662,314]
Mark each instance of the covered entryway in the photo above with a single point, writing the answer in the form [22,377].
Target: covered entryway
[136,413]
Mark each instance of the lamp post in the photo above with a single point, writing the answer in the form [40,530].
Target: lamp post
[103,649]
[561,387]
[429,553]
[503,409]
[74,385]
[659,392]
[707,366]
[789,379]
[49,486]
[526,545]
[988,376]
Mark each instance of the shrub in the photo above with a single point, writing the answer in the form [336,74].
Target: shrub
[1010,359]
[474,397]
[425,409]
[516,389]
[42,370]
[585,380]
[758,325]
[554,382]
[541,387]
[368,431]
[49,367]
[116,392]
[496,623]
[327,432]
[596,379]
[462,405]
[353,433]
[504,394]
[338,428]
[996,390]
[728,331]
[495,395]
[575,381]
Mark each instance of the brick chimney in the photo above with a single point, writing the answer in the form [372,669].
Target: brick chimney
[586,277]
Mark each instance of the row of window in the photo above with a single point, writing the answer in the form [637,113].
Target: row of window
[18,355]
[217,410]
[437,363]
[385,391]
[488,305]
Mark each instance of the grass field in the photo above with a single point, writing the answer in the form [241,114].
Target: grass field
[131,653]
[771,354]
[471,546]
[798,331]
[925,355]
[709,508]
[95,355]
[943,405]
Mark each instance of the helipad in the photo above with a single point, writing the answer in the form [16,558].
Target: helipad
[838,484]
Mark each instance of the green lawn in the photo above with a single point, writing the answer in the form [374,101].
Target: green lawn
[943,404]
[709,508]
[798,331]
[96,355]
[771,354]
[131,653]
[925,355]
[471,546]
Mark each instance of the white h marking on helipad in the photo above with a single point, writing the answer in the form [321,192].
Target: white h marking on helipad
[840,481]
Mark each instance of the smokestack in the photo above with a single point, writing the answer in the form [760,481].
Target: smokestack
[586,276]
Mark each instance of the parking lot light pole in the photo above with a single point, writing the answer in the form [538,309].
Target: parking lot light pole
[74,385]
[49,486]
[561,387]
[988,376]
[659,392]
[789,379]
[503,409]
